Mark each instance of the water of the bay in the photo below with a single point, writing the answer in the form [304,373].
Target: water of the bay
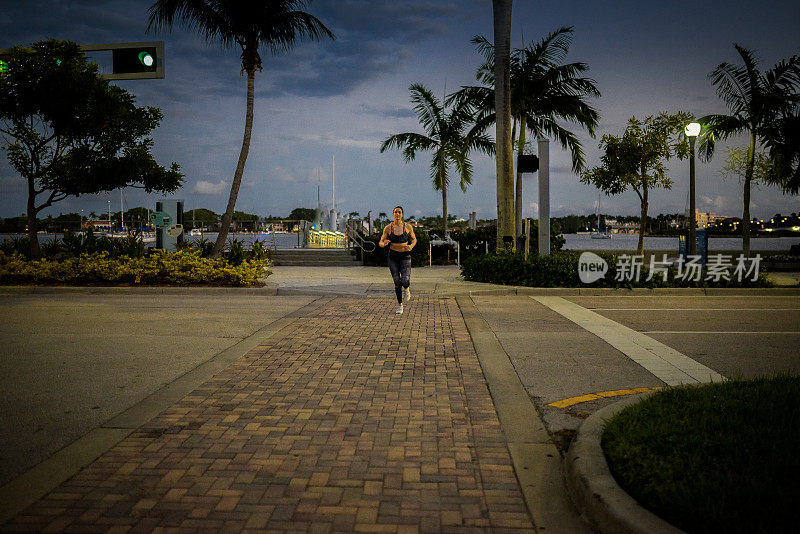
[573,241]
[630,242]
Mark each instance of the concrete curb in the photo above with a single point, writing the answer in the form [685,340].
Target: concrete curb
[536,461]
[142,290]
[593,488]
[491,290]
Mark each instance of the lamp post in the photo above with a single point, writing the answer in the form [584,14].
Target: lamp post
[692,130]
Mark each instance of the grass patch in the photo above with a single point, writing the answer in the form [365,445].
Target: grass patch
[713,458]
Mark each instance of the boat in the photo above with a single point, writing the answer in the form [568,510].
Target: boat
[599,234]
[195,231]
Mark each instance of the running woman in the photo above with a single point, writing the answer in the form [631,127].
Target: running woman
[399,236]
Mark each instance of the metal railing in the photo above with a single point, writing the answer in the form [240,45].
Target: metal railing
[355,238]
[447,241]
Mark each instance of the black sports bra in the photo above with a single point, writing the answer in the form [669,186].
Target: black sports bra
[399,238]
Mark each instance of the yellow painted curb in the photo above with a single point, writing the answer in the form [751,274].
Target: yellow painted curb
[602,395]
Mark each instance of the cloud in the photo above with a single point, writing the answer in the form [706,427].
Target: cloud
[718,204]
[390,112]
[372,144]
[207,188]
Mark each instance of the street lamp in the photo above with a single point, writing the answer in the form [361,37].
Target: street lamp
[692,130]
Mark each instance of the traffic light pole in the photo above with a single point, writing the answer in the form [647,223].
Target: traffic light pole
[131,61]
[544,197]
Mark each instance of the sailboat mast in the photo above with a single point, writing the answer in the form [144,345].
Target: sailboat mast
[333,181]
[597,212]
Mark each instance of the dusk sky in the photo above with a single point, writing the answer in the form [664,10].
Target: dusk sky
[342,98]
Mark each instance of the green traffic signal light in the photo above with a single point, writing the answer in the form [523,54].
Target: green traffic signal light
[3,66]
[146,58]
[134,59]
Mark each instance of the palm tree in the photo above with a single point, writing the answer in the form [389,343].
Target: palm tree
[501,13]
[446,137]
[543,91]
[756,101]
[274,24]
[783,143]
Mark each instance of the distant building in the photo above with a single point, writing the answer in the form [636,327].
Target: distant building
[99,226]
[703,220]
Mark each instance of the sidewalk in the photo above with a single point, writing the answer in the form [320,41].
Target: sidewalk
[347,419]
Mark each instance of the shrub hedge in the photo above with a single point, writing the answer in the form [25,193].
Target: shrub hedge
[560,269]
[182,268]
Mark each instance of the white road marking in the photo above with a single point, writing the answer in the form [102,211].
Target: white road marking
[666,363]
[710,332]
[694,309]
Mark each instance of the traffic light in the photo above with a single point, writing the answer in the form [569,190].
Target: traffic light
[3,66]
[131,61]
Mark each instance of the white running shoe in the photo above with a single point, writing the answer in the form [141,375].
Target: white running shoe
[399,310]
[406,294]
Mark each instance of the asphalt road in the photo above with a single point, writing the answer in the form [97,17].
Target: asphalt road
[558,360]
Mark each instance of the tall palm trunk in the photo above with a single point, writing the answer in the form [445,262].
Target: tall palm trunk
[444,207]
[33,235]
[502,101]
[518,193]
[748,178]
[237,177]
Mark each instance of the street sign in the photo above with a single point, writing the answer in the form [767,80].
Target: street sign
[174,230]
[160,219]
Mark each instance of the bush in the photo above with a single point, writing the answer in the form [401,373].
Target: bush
[72,245]
[475,242]
[560,269]
[158,268]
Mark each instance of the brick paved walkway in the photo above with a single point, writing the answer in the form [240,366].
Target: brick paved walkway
[349,419]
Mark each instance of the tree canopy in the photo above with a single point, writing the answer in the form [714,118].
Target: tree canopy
[68,132]
[636,160]
[307,214]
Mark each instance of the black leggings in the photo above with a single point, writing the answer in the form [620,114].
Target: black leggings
[400,267]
